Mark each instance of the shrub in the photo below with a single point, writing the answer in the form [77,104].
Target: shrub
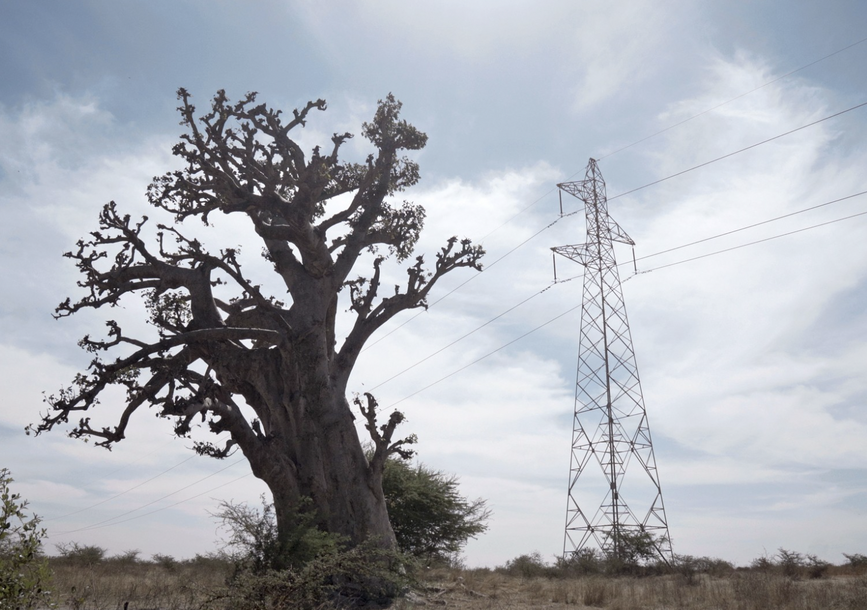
[253,542]
[367,576]
[24,574]
[526,566]
[308,569]
[856,560]
[791,562]
[816,568]
[634,548]
[716,567]
[690,567]
[210,561]
[126,558]
[430,518]
[84,555]
[165,561]
[579,563]
[762,564]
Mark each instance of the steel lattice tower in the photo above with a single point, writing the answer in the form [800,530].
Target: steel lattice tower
[610,427]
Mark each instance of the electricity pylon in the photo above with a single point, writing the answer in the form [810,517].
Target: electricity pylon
[610,431]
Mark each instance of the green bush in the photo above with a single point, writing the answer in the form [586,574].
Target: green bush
[634,549]
[430,518]
[24,573]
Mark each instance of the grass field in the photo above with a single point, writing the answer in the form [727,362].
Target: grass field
[478,590]
[168,585]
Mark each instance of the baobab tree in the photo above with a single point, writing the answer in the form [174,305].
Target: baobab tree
[222,342]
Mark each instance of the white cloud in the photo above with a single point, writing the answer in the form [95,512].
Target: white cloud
[728,346]
[742,391]
[614,49]
[476,32]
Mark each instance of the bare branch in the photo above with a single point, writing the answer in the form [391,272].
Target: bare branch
[381,436]
[419,284]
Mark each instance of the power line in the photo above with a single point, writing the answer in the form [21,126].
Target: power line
[199,495]
[524,209]
[461,338]
[519,212]
[693,243]
[80,510]
[758,241]
[737,97]
[124,466]
[467,281]
[679,123]
[167,470]
[476,361]
[680,173]
[106,521]
[512,308]
[731,154]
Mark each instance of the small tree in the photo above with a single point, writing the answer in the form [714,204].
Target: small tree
[431,519]
[628,550]
[24,572]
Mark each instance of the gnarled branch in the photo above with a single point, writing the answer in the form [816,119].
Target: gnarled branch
[381,436]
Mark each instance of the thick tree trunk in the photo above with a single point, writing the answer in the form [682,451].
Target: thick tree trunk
[330,468]
[306,444]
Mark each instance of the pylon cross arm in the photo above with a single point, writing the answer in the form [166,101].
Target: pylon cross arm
[617,233]
[576,189]
[577,253]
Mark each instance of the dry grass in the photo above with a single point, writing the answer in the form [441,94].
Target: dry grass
[186,586]
[488,590]
[144,586]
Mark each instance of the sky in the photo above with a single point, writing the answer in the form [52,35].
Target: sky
[752,360]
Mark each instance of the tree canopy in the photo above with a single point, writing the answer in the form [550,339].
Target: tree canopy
[222,342]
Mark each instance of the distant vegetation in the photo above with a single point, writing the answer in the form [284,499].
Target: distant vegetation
[214,582]
[317,571]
